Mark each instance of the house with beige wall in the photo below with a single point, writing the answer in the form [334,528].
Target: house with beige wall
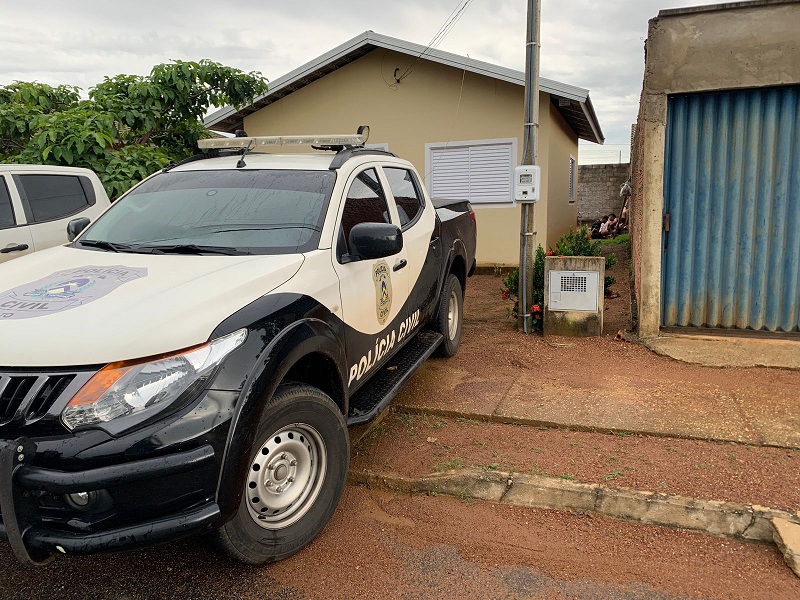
[458,120]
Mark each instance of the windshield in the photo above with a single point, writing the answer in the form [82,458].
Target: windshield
[222,212]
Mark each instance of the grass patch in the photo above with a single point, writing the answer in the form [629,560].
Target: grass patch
[613,475]
[490,467]
[449,465]
[371,437]
[567,476]
[624,238]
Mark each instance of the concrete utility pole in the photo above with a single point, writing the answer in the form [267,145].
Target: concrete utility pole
[529,157]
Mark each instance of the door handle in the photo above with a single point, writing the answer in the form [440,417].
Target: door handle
[403,262]
[433,242]
[15,248]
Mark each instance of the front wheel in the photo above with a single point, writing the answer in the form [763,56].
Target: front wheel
[449,316]
[298,468]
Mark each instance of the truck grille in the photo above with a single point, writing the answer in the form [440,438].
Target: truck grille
[27,397]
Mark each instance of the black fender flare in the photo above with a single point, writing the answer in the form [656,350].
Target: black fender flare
[458,250]
[298,340]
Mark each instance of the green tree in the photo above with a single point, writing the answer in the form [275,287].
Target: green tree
[129,127]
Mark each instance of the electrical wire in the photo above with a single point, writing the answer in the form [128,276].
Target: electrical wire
[437,39]
[452,127]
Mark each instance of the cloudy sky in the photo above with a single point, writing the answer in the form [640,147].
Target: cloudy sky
[587,43]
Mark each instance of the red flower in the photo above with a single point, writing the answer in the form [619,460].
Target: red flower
[550,253]
[536,309]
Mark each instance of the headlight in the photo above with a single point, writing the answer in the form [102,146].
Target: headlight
[133,387]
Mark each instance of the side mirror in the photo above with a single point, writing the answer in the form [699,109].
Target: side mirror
[374,240]
[75,227]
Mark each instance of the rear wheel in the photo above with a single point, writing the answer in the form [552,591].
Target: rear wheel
[449,316]
[297,471]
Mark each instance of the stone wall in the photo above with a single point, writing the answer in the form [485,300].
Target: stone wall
[598,190]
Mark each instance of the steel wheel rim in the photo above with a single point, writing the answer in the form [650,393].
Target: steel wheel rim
[286,476]
[452,316]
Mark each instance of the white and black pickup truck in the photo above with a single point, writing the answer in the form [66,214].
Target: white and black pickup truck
[191,361]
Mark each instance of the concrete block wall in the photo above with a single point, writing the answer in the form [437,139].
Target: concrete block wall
[598,190]
[635,209]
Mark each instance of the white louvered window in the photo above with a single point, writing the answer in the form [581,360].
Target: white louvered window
[480,171]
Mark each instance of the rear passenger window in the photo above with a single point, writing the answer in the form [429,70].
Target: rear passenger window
[6,213]
[405,192]
[365,203]
[52,197]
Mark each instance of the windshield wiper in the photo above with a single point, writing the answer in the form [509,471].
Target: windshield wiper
[105,245]
[190,249]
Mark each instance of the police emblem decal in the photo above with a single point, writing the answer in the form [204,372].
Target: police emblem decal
[65,290]
[383,290]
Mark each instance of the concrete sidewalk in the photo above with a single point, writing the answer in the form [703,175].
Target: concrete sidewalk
[728,351]
[600,384]
[632,403]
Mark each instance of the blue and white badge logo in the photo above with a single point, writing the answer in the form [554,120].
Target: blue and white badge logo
[64,290]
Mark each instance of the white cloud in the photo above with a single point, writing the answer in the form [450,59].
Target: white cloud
[590,44]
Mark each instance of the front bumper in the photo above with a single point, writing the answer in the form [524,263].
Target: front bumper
[33,543]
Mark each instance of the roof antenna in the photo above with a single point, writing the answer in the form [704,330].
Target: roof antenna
[240,133]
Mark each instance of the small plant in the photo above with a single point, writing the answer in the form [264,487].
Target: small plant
[613,475]
[567,476]
[406,419]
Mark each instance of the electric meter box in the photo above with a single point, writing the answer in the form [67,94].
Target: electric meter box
[574,290]
[527,180]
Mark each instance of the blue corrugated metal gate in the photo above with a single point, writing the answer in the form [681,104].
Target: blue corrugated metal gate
[732,210]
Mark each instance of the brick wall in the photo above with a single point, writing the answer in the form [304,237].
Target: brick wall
[598,190]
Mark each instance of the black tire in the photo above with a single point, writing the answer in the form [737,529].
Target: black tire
[299,465]
[451,301]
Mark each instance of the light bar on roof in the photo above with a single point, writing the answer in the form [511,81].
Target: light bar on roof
[283,140]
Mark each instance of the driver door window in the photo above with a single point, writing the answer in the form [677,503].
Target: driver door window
[365,203]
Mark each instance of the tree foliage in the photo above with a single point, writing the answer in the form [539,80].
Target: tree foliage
[128,127]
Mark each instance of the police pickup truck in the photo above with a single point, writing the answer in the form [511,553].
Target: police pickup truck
[191,361]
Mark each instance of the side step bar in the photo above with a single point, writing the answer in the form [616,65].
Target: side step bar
[368,402]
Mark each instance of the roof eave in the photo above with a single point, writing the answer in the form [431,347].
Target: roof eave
[369,40]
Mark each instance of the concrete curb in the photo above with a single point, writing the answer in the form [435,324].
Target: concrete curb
[729,519]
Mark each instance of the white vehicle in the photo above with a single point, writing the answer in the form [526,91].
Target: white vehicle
[38,201]
[191,361]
